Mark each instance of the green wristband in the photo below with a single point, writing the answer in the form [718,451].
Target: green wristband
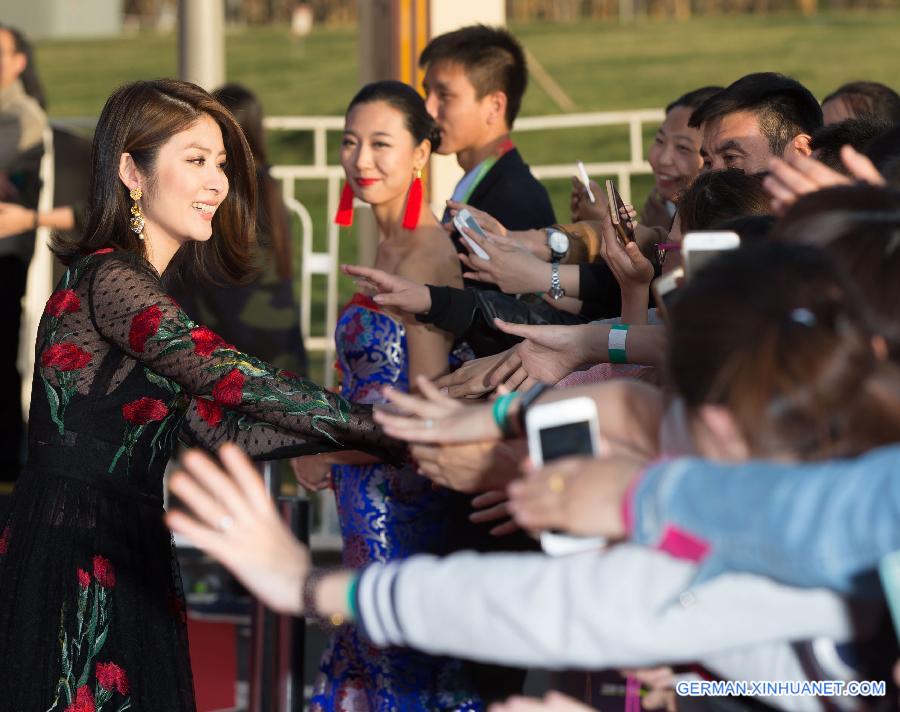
[352,602]
[500,409]
[616,343]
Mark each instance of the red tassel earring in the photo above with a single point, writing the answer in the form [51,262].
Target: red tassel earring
[344,214]
[413,203]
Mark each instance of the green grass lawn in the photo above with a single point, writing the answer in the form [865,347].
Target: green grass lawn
[602,66]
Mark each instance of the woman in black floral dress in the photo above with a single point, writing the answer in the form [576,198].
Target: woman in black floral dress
[91,608]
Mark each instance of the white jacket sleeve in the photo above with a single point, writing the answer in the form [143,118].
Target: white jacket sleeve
[629,606]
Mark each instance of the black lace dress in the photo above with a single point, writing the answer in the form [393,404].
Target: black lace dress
[91,609]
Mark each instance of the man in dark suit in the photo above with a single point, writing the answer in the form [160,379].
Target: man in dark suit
[475,78]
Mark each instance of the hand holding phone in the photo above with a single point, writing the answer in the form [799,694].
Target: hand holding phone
[560,429]
[464,219]
[624,229]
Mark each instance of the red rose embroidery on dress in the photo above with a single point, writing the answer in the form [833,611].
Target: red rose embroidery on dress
[143,326]
[104,572]
[112,678]
[229,390]
[144,410]
[84,578]
[206,341]
[210,412]
[65,356]
[4,541]
[84,701]
[62,302]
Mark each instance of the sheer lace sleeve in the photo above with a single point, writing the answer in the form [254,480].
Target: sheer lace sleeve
[233,395]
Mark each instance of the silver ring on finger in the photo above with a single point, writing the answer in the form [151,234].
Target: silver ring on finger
[225,523]
[429,423]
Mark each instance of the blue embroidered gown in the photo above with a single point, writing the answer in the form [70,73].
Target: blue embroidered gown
[386,513]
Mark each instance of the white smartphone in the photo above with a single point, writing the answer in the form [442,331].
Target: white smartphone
[585,179]
[665,289]
[464,219]
[559,429]
[698,248]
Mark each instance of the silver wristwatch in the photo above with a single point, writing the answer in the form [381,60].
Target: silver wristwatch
[558,242]
[556,291]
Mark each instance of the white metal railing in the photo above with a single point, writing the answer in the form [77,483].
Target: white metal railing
[325,263]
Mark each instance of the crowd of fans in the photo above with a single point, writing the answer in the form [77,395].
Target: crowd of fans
[747,476]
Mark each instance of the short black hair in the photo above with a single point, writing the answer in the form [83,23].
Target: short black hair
[869,99]
[695,98]
[859,133]
[491,57]
[783,107]
[408,102]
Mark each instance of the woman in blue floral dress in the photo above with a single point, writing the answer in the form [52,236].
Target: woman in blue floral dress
[92,615]
[389,512]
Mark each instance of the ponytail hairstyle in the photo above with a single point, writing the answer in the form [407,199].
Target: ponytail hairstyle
[408,102]
[775,334]
[139,118]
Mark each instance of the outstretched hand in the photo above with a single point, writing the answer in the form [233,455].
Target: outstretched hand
[389,290]
[511,266]
[579,495]
[475,378]
[231,517]
[797,175]
[548,354]
[487,222]
[435,418]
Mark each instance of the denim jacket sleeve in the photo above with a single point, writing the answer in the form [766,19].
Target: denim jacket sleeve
[820,524]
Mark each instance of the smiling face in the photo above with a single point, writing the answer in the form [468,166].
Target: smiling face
[187,186]
[379,154]
[675,153]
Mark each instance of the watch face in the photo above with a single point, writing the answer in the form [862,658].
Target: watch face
[558,242]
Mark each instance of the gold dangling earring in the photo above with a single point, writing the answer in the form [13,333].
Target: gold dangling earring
[137,217]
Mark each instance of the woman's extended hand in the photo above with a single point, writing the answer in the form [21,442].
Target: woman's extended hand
[390,290]
[548,354]
[579,495]
[474,378]
[233,519]
[470,467]
[435,418]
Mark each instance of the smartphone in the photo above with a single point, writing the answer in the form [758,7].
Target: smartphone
[699,248]
[665,290]
[889,569]
[555,430]
[585,179]
[464,219]
[624,233]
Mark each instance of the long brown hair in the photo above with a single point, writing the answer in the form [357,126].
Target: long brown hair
[138,119]
[774,333]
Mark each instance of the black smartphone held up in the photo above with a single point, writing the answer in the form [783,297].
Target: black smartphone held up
[624,231]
